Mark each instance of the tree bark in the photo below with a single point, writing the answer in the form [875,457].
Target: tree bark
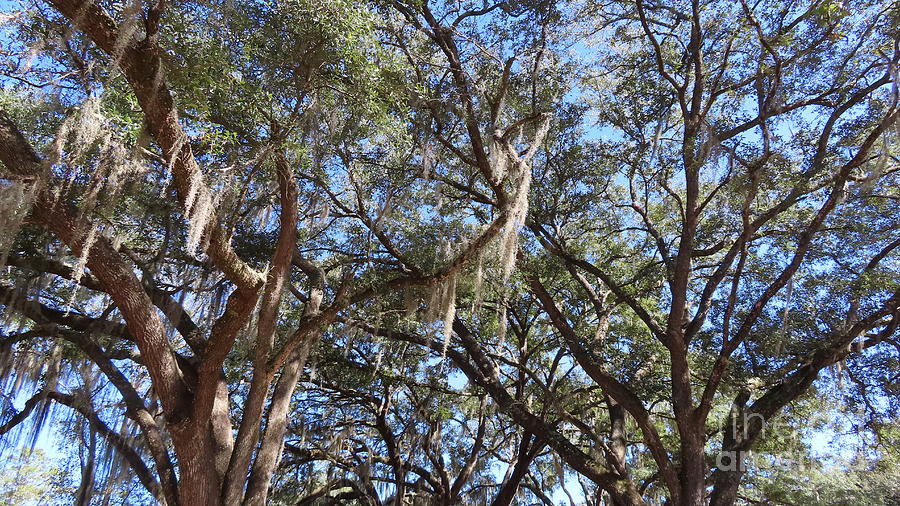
[528,449]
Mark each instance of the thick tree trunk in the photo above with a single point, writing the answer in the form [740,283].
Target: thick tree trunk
[221,430]
[269,454]
[199,482]
[693,470]
[528,449]
[725,488]
[248,435]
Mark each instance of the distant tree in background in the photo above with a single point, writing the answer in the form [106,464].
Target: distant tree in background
[29,478]
[438,253]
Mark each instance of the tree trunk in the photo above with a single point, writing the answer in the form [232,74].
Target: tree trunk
[273,440]
[528,449]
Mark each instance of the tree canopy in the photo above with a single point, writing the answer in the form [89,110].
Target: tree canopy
[411,252]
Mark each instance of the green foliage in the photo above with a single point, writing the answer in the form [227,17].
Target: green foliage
[30,478]
[712,207]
